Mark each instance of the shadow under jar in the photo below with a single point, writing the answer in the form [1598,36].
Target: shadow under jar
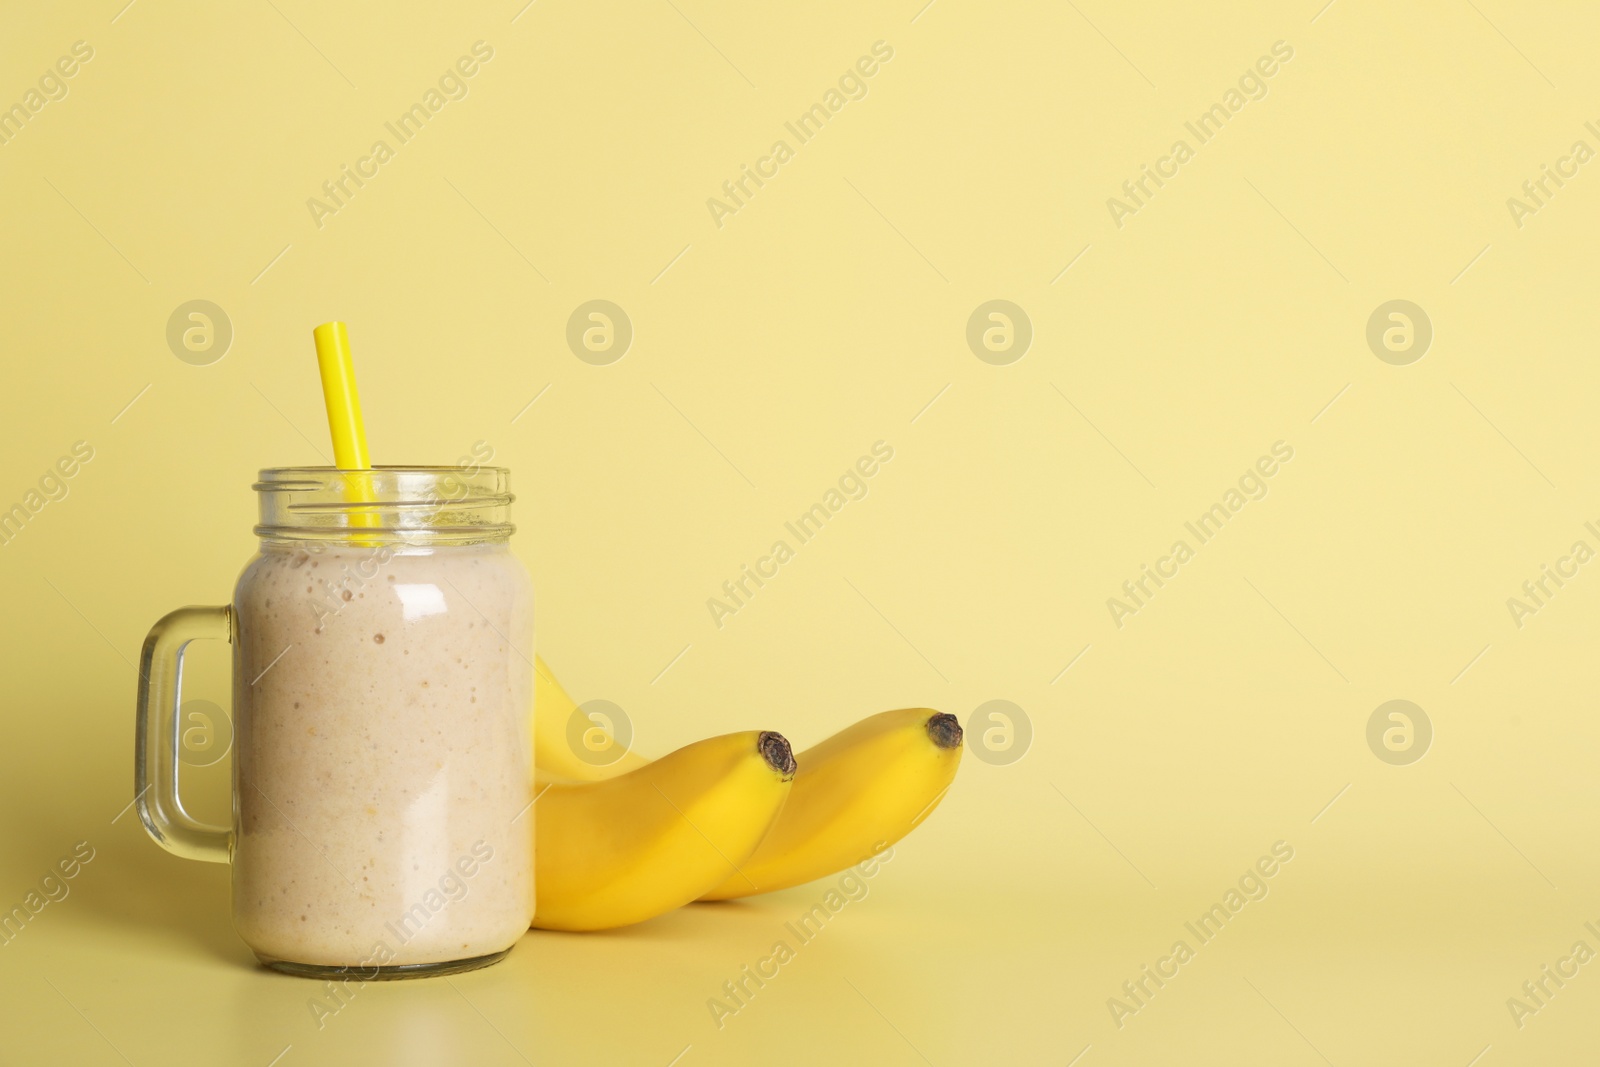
[382,685]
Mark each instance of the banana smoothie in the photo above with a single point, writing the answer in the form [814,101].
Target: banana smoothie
[383,764]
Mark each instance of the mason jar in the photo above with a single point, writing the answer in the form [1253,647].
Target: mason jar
[382,692]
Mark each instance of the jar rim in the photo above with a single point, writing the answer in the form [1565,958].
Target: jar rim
[431,504]
[405,468]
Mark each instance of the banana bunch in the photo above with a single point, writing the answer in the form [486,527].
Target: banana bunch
[726,817]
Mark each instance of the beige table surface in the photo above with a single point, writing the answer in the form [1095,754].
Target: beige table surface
[1177,334]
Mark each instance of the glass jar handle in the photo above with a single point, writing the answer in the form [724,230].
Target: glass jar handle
[155,766]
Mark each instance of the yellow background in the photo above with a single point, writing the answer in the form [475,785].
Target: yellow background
[768,355]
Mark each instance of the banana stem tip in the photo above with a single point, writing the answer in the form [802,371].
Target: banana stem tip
[945,730]
[774,748]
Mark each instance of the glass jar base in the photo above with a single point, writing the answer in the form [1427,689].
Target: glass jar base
[391,973]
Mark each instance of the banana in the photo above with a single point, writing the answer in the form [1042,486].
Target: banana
[619,851]
[860,790]
[555,752]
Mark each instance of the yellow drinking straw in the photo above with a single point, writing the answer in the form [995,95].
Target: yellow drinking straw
[344,412]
